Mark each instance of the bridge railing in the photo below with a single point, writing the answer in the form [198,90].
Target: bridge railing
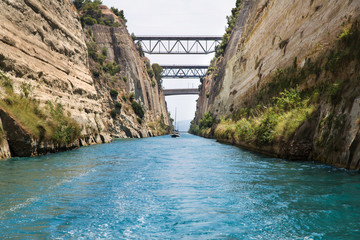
[178,44]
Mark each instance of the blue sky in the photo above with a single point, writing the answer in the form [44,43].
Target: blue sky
[181,17]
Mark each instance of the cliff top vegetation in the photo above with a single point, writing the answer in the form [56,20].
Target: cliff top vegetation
[91,13]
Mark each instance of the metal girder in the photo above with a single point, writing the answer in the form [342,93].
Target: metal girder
[182,91]
[184,71]
[178,44]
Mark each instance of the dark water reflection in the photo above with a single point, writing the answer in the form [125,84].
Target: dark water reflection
[164,188]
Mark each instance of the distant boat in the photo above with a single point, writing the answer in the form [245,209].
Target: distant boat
[175,133]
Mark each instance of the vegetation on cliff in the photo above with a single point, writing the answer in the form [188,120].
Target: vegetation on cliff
[157,73]
[231,24]
[159,127]
[90,13]
[263,124]
[49,122]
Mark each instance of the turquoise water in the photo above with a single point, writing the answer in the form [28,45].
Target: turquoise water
[185,188]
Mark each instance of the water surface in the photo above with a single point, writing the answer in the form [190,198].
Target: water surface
[185,188]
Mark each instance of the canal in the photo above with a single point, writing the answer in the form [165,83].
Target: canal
[185,188]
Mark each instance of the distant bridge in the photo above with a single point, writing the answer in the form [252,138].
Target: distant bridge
[183,71]
[182,91]
[178,44]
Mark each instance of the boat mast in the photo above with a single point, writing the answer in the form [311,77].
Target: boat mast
[175,120]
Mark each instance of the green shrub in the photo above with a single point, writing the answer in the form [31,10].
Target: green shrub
[104,51]
[153,84]
[112,68]
[265,131]
[150,72]
[92,49]
[91,13]
[124,79]
[88,20]
[78,4]
[194,129]
[139,111]
[124,98]
[6,83]
[119,13]
[100,59]
[206,121]
[96,73]
[139,120]
[289,99]
[157,72]
[245,130]
[66,133]
[346,34]
[118,105]
[114,93]
[113,113]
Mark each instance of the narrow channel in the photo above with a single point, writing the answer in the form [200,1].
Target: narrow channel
[164,188]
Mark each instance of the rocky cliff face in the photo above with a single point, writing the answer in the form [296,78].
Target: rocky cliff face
[44,60]
[131,81]
[310,47]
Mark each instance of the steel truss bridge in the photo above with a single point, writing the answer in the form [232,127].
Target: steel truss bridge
[183,71]
[178,44]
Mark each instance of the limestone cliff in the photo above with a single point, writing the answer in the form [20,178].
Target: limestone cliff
[45,70]
[131,81]
[303,52]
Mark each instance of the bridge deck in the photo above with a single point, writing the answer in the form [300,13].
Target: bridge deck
[184,66]
[181,91]
[190,38]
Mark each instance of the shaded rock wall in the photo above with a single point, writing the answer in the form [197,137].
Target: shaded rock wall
[271,35]
[122,50]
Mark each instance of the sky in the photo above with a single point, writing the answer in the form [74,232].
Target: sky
[180,17]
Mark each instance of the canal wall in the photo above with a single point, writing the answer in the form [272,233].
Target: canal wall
[66,84]
[287,81]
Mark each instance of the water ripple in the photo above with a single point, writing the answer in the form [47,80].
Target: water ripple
[187,188]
